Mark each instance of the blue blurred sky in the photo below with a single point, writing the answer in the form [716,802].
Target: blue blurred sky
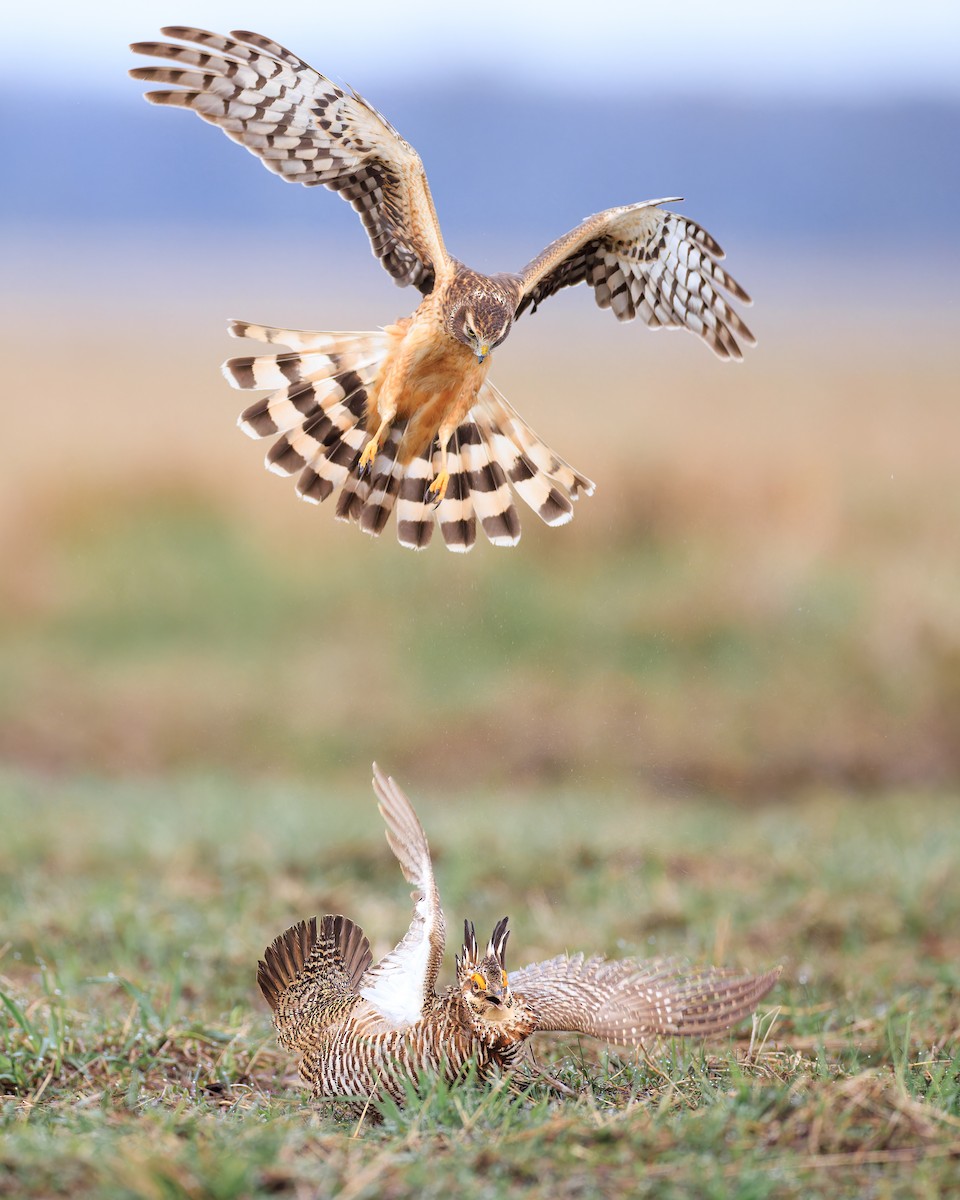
[824,48]
[795,128]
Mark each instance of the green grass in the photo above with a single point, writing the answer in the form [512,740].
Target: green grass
[162,634]
[136,1058]
[718,716]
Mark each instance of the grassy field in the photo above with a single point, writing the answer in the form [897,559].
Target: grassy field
[717,716]
[760,597]
[137,1059]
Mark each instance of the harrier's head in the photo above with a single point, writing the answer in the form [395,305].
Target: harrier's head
[483,981]
[482,309]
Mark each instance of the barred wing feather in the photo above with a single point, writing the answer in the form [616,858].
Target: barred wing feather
[643,261]
[307,130]
[628,1000]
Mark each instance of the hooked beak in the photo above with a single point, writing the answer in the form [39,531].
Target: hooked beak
[482,353]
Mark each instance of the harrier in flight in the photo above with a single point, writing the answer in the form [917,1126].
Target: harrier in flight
[365,1031]
[405,417]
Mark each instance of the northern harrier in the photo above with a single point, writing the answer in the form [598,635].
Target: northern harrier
[366,1030]
[405,417]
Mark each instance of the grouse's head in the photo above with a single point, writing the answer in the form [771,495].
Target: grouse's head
[482,312]
[483,981]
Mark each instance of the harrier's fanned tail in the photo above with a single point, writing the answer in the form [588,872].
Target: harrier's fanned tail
[324,386]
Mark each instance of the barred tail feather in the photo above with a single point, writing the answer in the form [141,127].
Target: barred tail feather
[309,973]
[285,370]
[509,421]
[492,500]
[330,467]
[323,446]
[317,413]
[542,479]
[353,495]
[335,943]
[415,516]
[327,370]
[384,484]
[301,339]
[319,403]
[458,525]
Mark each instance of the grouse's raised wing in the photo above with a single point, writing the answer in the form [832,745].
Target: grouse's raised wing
[628,1000]
[404,980]
[642,260]
[307,130]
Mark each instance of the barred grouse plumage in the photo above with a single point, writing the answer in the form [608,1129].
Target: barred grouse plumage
[365,1030]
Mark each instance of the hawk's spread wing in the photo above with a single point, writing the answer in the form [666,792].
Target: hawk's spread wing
[309,131]
[627,1000]
[642,260]
[404,980]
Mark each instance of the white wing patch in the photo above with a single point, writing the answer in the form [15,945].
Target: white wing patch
[404,981]
[395,986]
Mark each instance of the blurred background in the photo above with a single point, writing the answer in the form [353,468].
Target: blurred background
[761,598]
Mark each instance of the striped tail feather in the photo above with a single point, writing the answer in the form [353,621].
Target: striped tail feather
[543,479]
[369,499]
[302,339]
[415,516]
[455,514]
[317,414]
[492,501]
[319,403]
[391,484]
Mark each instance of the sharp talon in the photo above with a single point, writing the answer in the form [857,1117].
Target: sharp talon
[367,458]
[439,487]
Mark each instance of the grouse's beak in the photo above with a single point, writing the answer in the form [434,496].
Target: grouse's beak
[495,998]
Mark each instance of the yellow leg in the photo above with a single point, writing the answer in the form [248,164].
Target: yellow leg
[438,488]
[372,448]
